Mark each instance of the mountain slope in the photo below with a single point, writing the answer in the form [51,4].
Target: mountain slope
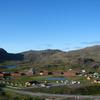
[5,56]
[87,57]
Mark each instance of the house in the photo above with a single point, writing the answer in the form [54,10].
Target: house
[58,73]
[16,74]
[1,74]
[23,74]
[41,73]
[50,73]
[45,73]
[69,73]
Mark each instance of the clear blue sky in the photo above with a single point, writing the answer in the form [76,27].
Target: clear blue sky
[44,24]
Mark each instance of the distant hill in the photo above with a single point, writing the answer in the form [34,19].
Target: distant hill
[5,56]
[88,57]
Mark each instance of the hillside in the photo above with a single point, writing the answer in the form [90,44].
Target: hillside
[87,57]
[5,56]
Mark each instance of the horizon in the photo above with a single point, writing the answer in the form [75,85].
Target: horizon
[49,24]
[51,49]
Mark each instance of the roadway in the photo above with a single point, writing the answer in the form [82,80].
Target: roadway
[47,95]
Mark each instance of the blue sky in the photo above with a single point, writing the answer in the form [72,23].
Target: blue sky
[49,24]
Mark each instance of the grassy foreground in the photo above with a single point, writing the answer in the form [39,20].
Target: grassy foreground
[8,95]
[84,90]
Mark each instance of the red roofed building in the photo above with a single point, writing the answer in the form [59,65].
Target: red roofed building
[69,73]
[1,74]
[16,74]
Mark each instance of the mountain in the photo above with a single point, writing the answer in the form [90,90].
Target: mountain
[88,57]
[5,56]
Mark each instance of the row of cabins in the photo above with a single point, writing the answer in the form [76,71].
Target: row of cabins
[6,74]
[69,73]
[58,73]
[41,73]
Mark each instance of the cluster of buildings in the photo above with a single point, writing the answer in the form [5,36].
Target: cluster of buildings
[94,76]
[70,73]
[10,74]
[91,76]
